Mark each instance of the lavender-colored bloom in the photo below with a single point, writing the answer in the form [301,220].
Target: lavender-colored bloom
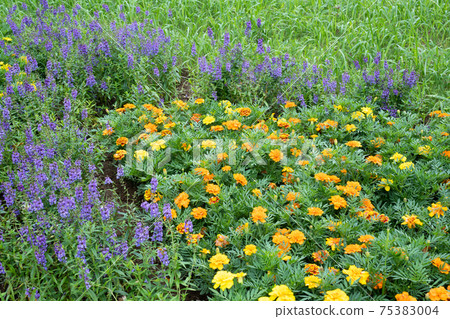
[90,81]
[106,253]
[37,295]
[157,232]
[145,206]
[41,248]
[108,181]
[377,58]
[258,23]
[141,234]
[154,210]
[260,47]
[214,95]
[122,249]
[65,205]
[226,40]
[120,172]
[84,114]
[154,184]
[60,252]
[106,210]
[81,248]
[167,211]
[2,269]
[170,14]
[193,50]
[248,28]
[163,257]
[156,72]
[188,227]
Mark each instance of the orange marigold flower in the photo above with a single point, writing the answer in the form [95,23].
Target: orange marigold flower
[296,237]
[338,202]
[446,154]
[320,256]
[120,154]
[150,128]
[108,131]
[182,200]
[226,168]
[213,200]
[213,189]
[291,196]
[233,125]
[312,269]
[129,106]
[377,159]
[276,155]
[216,128]
[353,144]
[199,213]
[438,294]
[259,214]
[196,117]
[365,238]
[404,296]
[334,243]
[240,179]
[315,211]
[290,104]
[411,221]
[244,111]
[221,157]
[221,240]
[355,248]
[121,141]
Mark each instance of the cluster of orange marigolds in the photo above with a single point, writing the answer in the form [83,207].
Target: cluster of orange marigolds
[161,124]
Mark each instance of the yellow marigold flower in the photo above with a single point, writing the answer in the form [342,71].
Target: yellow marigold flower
[6,39]
[353,144]
[406,165]
[320,256]
[259,214]
[286,258]
[221,240]
[424,150]
[256,192]
[199,213]
[437,209]
[397,157]
[281,293]
[404,296]
[411,221]
[350,128]
[240,179]
[315,211]
[182,105]
[208,143]
[209,119]
[224,279]
[248,147]
[366,110]
[354,273]
[218,260]
[205,251]
[303,163]
[157,145]
[313,119]
[226,168]
[338,108]
[283,123]
[312,282]
[264,299]
[358,115]
[338,202]
[182,200]
[199,101]
[140,155]
[120,154]
[386,184]
[336,295]
[250,250]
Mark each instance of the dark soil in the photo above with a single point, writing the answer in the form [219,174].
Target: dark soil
[184,87]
